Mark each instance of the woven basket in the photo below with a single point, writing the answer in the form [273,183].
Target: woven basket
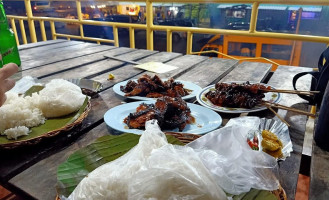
[53,133]
[187,138]
[280,193]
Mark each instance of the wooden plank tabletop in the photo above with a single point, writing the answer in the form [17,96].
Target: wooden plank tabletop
[249,71]
[38,164]
[209,72]
[38,44]
[51,48]
[60,66]
[127,72]
[95,67]
[64,55]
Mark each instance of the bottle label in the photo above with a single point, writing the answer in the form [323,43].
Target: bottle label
[7,52]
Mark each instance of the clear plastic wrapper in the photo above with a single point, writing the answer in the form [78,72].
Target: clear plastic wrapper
[236,167]
[153,169]
[217,162]
[257,125]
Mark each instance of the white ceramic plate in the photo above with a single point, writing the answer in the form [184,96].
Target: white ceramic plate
[206,120]
[187,85]
[273,97]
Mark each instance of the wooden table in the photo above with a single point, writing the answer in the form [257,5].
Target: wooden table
[31,171]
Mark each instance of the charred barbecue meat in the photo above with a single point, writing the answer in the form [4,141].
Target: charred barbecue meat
[144,112]
[154,87]
[235,95]
[170,112]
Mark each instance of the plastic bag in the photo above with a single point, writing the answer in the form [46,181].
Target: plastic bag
[236,167]
[24,84]
[257,125]
[153,169]
[249,122]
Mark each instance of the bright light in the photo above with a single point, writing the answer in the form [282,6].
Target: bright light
[173,8]
[101,6]
[92,7]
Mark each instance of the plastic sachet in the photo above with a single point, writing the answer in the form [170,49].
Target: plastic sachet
[153,169]
[257,125]
[234,165]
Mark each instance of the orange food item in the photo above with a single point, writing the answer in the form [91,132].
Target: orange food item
[271,144]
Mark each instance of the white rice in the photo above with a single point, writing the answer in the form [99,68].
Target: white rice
[18,114]
[59,98]
[17,111]
[14,133]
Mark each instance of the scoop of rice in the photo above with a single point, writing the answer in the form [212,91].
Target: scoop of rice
[17,111]
[14,133]
[59,98]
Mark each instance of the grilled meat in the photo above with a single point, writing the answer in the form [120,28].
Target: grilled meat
[154,87]
[129,86]
[170,112]
[154,95]
[144,112]
[235,95]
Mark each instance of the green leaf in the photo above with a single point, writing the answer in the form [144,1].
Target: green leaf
[80,111]
[33,89]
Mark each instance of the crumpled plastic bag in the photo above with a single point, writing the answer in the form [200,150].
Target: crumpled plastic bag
[249,122]
[153,169]
[236,167]
[220,160]
[256,126]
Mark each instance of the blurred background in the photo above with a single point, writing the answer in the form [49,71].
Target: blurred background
[307,20]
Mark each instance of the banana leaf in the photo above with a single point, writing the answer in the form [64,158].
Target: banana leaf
[109,148]
[50,124]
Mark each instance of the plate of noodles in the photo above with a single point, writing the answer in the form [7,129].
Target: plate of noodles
[42,112]
[237,97]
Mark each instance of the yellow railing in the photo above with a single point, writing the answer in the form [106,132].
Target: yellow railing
[150,27]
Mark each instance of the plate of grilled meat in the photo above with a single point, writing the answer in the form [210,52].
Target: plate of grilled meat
[149,88]
[172,113]
[238,97]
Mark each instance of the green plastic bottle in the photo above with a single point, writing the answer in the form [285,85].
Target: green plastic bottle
[8,45]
